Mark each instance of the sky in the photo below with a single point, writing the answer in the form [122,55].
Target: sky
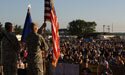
[103,12]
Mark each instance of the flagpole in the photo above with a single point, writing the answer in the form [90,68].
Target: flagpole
[43,26]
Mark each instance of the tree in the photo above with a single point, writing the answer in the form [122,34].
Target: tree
[18,29]
[48,32]
[78,27]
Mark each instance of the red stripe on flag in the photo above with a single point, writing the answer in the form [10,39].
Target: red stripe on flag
[55,26]
[56,50]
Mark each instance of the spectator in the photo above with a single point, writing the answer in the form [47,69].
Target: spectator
[104,69]
[86,70]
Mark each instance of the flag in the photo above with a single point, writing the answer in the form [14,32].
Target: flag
[50,15]
[27,26]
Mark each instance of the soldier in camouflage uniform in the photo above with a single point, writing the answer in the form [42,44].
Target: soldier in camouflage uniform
[36,45]
[10,49]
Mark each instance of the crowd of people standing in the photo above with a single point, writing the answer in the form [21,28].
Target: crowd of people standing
[84,51]
[94,51]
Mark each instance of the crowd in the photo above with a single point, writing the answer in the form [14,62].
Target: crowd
[92,51]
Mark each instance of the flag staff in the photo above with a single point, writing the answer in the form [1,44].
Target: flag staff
[42,29]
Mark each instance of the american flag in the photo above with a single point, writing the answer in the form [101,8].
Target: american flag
[50,15]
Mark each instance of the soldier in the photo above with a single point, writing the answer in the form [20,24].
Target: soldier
[36,45]
[10,49]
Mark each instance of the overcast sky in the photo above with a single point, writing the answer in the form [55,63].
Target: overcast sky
[103,12]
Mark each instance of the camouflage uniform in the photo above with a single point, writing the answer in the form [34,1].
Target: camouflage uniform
[0,56]
[35,44]
[0,47]
[10,48]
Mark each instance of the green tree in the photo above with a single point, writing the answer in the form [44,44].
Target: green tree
[18,29]
[78,27]
[48,32]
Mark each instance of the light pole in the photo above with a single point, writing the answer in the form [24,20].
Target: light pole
[108,27]
[103,28]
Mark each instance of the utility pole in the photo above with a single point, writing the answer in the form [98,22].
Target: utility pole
[112,27]
[108,27]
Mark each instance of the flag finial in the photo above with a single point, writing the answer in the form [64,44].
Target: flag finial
[29,7]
